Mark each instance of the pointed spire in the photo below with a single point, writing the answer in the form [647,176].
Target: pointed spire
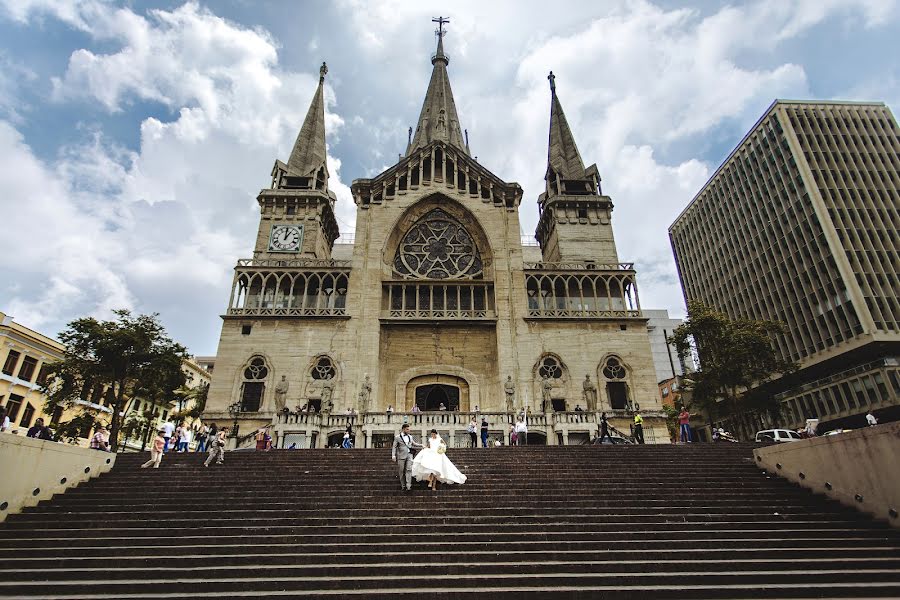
[438,119]
[563,157]
[308,155]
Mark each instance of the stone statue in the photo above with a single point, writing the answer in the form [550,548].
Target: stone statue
[510,388]
[281,390]
[546,388]
[365,390]
[325,395]
[589,394]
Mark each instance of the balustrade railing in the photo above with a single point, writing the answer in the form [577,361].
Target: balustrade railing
[462,300]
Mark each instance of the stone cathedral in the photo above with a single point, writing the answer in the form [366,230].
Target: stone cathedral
[437,311]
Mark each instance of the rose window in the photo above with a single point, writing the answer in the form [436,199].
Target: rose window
[256,369]
[438,247]
[613,369]
[323,369]
[550,367]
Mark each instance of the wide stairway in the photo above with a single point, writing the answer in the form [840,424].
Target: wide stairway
[695,521]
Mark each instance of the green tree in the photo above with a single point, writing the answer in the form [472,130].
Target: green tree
[125,355]
[735,357]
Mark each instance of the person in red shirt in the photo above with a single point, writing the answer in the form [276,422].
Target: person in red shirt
[684,418]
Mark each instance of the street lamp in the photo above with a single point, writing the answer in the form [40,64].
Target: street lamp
[235,411]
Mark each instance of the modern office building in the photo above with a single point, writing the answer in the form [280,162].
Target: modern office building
[800,225]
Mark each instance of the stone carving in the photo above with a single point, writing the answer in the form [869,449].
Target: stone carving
[546,389]
[365,390]
[589,395]
[281,390]
[510,388]
[325,395]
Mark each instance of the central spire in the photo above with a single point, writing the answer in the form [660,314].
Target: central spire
[438,119]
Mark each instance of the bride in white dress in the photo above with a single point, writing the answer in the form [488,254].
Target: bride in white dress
[432,464]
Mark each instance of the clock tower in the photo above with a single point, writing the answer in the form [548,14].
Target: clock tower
[297,211]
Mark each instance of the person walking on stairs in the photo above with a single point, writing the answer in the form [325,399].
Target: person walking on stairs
[156,450]
[401,453]
[484,432]
[604,429]
[684,420]
[638,427]
[522,430]
[216,449]
[472,430]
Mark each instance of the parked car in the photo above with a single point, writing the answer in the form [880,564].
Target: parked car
[777,435]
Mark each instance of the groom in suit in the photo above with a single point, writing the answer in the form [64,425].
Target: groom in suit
[401,453]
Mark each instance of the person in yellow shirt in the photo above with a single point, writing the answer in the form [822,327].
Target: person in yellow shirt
[638,427]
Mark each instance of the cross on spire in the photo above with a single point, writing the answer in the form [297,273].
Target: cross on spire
[440,21]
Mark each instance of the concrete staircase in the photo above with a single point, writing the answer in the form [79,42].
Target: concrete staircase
[695,521]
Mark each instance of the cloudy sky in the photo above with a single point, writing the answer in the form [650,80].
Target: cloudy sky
[134,137]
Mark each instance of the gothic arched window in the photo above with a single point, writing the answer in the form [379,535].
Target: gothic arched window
[438,247]
[550,367]
[613,369]
[254,385]
[616,387]
[323,369]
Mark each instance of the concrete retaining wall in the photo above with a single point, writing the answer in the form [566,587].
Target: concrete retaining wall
[35,470]
[858,468]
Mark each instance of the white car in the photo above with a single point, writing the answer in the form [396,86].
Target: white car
[777,435]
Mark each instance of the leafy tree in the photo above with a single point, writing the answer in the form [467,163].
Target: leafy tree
[735,357]
[187,395]
[127,355]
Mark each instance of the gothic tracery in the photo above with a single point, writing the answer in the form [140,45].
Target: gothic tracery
[438,247]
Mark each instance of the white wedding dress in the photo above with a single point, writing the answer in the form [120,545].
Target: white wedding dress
[429,461]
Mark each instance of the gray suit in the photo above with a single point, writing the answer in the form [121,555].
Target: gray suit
[401,451]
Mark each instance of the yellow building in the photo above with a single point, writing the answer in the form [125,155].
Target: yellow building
[24,354]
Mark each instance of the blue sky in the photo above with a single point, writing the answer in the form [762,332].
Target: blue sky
[136,136]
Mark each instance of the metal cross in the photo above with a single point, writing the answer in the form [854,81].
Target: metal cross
[440,21]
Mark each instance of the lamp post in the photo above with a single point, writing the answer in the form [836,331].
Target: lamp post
[235,411]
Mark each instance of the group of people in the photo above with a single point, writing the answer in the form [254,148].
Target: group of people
[211,439]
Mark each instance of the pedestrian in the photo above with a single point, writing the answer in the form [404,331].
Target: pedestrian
[348,438]
[168,429]
[522,430]
[184,438]
[871,420]
[216,449]
[4,419]
[442,407]
[604,429]
[38,431]
[415,409]
[484,432]
[684,419]
[100,441]
[402,454]
[261,439]
[578,408]
[513,437]
[638,427]
[156,450]
[472,430]
[202,436]
[213,432]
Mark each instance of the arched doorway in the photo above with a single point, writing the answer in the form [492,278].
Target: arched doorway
[433,396]
[428,392]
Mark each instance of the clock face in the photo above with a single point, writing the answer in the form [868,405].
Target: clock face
[286,238]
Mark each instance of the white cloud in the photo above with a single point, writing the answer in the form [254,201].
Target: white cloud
[157,229]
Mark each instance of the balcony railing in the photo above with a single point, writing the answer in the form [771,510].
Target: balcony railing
[456,300]
[289,288]
[581,291]
[293,263]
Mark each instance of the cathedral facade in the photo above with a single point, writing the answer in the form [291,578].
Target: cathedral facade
[437,311]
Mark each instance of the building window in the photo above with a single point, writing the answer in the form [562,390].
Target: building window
[550,367]
[323,369]
[616,387]
[26,371]
[13,405]
[438,247]
[254,385]
[27,415]
[42,374]
[11,360]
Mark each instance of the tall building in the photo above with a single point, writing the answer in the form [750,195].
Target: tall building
[800,225]
[665,357]
[436,306]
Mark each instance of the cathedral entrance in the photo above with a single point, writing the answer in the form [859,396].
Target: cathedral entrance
[433,396]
